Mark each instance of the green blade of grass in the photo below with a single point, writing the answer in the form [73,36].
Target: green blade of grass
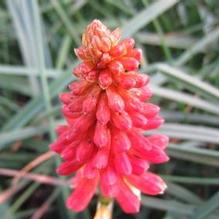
[51,198]
[197,118]
[25,213]
[204,210]
[185,98]
[4,209]
[36,104]
[184,210]
[15,84]
[192,180]
[41,61]
[14,71]
[9,103]
[24,32]
[171,40]
[22,198]
[146,16]
[168,205]
[65,19]
[197,155]
[202,43]
[159,30]
[16,135]
[46,93]
[200,133]
[188,79]
[182,193]
[63,52]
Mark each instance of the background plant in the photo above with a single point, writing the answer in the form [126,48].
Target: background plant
[180,44]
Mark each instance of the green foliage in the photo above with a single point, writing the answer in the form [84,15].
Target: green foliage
[180,45]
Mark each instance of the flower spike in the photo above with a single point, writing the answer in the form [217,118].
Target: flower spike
[107,112]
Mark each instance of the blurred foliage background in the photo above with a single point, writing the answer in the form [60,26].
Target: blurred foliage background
[179,40]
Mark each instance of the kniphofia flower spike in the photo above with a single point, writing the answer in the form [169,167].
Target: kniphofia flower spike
[107,112]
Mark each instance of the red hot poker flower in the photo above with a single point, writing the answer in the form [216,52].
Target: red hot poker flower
[107,112]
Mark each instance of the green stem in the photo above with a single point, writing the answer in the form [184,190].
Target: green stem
[104,208]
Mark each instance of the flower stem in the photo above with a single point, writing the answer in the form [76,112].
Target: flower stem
[104,208]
